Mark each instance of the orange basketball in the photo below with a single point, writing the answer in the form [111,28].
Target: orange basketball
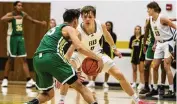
[89,66]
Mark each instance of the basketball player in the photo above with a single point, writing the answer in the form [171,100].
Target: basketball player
[149,38]
[50,60]
[91,31]
[164,41]
[15,40]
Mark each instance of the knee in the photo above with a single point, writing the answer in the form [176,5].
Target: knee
[146,67]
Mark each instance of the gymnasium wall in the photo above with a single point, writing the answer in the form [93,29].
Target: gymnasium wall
[124,14]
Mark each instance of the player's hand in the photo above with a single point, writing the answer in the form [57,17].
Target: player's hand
[44,23]
[80,77]
[17,17]
[154,47]
[100,65]
[117,53]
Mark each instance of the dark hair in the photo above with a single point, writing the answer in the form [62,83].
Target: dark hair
[111,30]
[135,28]
[154,5]
[70,14]
[87,9]
[15,3]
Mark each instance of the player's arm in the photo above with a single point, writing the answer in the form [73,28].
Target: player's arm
[172,19]
[168,22]
[34,20]
[7,17]
[110,41]
[71,49]
[79,46]
[147,27]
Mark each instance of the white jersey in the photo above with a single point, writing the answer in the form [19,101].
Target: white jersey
[161,32]
[92,41]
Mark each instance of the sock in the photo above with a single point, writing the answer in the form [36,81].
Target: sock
[94,103]
[27,79]
[6,78]
[34,101]
[135,98]
[155,86]
[171,88]
[62,97]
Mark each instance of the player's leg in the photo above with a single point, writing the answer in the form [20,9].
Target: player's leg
[76,63]
[163,79]
[12,52]
[91,81]
[44,79]
[158,56]
[168,49]
[106,77]
[22,54]
[141,70]
[134,67]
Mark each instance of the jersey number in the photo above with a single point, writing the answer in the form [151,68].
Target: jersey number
[19,28]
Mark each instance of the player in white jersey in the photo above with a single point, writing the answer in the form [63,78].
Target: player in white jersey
[164,42]
[90,34]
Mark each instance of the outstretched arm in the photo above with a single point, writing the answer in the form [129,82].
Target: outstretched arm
[34,20]
[110,41]
[9,17]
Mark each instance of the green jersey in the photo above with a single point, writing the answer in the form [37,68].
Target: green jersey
[15,26]
[53,42]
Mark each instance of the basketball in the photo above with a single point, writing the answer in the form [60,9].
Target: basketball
[89,66]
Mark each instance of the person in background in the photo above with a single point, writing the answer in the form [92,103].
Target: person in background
[135,45]
[15,41]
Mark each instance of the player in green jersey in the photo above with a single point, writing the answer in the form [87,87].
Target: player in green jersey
[51,60]
[15,40]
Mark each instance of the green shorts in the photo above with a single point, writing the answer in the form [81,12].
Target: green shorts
[150,52]
[16,46]
[49,65]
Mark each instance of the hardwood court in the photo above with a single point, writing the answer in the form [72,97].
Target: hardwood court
[17,94]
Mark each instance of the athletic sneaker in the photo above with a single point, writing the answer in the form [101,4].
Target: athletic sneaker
[152,93]
[4,83]
[170,94]
[105,85]
[30,83]
[162,90]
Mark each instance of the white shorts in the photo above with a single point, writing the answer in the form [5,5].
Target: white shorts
[107,61]
[163,50]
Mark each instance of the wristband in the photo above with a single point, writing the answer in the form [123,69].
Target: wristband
[113,47]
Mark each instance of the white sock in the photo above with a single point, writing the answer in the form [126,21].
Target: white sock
[155,86]
[62,97]
[135,98]
[171,88]
[162,84]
